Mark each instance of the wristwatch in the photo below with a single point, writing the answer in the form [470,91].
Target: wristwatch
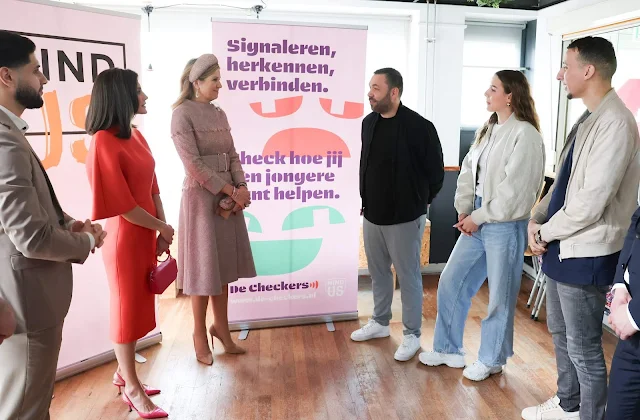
[538,238]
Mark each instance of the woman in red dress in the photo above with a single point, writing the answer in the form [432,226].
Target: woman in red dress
[121,172]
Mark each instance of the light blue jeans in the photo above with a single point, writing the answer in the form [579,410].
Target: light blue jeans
[495,251]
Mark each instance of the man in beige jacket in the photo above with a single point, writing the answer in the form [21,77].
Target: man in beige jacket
[38,243]
[579,227]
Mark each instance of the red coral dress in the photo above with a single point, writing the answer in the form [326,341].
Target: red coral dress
[122,176]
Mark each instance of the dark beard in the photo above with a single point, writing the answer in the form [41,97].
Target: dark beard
[382,106]
[28,98]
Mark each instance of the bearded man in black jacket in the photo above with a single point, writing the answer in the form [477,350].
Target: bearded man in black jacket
[401,171]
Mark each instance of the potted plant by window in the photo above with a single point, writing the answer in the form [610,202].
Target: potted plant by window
[491,3]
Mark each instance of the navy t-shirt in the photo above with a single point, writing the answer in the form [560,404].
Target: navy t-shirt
[598,271]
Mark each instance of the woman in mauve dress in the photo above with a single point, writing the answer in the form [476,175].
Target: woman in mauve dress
[124,187]
[213,242]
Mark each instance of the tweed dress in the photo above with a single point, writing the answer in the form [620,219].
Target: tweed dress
[212,251]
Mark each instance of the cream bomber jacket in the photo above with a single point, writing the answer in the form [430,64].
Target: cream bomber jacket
[514,177]
[602,190]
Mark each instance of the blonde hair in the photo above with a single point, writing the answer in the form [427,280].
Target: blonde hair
[187,91]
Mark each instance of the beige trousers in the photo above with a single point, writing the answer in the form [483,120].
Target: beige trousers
[28,365]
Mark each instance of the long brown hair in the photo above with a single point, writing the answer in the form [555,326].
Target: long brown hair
[522,103]
[114,102]
[187,92]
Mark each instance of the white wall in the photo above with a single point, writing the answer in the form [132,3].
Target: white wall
[579,15]
[444,88]
[545,87]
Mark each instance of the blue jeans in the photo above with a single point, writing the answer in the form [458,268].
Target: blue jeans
[574,318]
[495,251]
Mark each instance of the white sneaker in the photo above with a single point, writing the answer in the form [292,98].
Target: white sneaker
[371,330]
[549,410]
[433,358]
[478,371]
[409,347]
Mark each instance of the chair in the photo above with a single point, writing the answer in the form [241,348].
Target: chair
[540,281]
[539,286]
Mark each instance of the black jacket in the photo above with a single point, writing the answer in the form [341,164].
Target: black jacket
[418,167]
[630,260]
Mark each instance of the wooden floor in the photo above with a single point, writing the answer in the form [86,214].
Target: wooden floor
[310,373]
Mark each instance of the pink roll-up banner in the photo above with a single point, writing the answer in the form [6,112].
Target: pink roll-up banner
[74,44]
[294,96]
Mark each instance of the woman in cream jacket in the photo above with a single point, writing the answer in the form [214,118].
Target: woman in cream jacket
[500,180]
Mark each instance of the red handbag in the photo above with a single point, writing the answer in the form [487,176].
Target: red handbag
[163,275]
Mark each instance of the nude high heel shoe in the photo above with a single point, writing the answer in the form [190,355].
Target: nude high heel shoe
[232,349]
[207,358]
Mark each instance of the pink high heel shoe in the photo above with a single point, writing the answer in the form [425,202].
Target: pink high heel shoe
[157,413]
[119,382]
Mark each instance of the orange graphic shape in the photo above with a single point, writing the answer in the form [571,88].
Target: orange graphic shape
[305,141]
[79,151]
[52,130]
[78,112]
[352,110]
[284,107]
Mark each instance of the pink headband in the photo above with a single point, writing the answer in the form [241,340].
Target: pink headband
[202,64]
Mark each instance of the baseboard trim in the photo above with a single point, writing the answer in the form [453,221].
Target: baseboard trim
[293,321]
[102,358]
[429,269]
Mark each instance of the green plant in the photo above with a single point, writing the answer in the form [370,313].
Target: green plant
[492,3]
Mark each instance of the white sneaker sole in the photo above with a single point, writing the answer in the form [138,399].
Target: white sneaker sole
[405,358]
[566,416]
[480,379]
[442,362]
[379,335]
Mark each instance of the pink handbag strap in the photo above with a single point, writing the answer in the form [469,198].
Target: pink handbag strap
[166,259]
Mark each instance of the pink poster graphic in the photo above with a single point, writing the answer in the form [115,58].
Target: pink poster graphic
[73,45]
[294,96]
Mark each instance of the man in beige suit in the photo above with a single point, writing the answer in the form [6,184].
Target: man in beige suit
[7,320]
[38,243]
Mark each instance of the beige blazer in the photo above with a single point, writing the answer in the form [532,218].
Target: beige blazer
[36,249]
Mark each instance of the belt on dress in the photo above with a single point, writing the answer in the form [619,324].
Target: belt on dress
[219,162]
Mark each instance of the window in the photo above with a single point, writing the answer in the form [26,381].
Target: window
[488,48]
[626,81]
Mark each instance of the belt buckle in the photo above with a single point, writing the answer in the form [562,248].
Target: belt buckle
[226,162]
[224,157]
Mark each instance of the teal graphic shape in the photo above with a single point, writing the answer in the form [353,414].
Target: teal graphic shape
[303,218]
[273,258]
[254,225]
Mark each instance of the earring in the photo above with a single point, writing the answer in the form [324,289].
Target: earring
[508,103]
[197,93]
